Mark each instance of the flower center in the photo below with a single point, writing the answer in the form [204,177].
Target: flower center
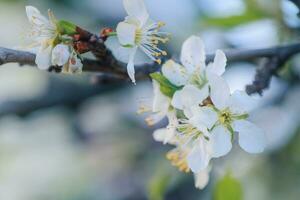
[225,117]
[138,36]
[198,80]
[188,130]
[149,37]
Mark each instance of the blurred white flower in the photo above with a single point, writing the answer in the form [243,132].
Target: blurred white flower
[258,34]
[160,105]
[139,31]
[279,125]
[43,33]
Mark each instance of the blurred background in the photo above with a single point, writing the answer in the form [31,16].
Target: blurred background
[64,138]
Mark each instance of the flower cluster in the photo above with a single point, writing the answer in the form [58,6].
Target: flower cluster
[53,42]
[204,116]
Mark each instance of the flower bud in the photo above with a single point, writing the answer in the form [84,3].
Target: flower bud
[60,54]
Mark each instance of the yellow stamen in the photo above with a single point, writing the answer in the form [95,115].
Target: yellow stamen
[138,36]
[178,159]
[143,109]
[161,24]
[158,61]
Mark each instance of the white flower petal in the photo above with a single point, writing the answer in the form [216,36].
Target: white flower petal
[189,96]
[240,102]
[126,33]
[169,136]
[161,103]
[175,73]
[203,115]
[199,157]
[221,141]
[251,137]
[193,54]
[60,54]
[43,58]
[160,135]
[219,91]
[75,65]
[166,135]
[133,21]
[130,65]
[202,178]
[136,9]
[35,17]
[219,64]
[177,100]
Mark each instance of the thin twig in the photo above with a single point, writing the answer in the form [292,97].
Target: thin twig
[107,64]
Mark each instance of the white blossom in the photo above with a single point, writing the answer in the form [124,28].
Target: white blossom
[139,31]
[194,132]
[60,54]
[206,116]
[233,112]
[43,32]
[195,76]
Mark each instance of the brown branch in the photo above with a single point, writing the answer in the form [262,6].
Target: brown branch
[108,65]
[14,56]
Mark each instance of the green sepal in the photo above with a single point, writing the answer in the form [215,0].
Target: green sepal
[166,87]
[230,129]
[112,34]
[127,46]
[66,28]
[241,117]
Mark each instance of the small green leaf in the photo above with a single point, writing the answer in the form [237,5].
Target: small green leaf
[66,28]
[158,186]
[228,188]
[166,87]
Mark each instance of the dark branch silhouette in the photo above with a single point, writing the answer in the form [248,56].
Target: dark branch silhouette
[109,66]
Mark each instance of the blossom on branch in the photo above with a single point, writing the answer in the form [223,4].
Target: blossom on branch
[43,33]
[139,31]
[52,41]
[207,116]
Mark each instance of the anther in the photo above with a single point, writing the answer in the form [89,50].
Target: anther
[158,61]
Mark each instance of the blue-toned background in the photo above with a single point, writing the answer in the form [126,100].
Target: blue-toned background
[64,138]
